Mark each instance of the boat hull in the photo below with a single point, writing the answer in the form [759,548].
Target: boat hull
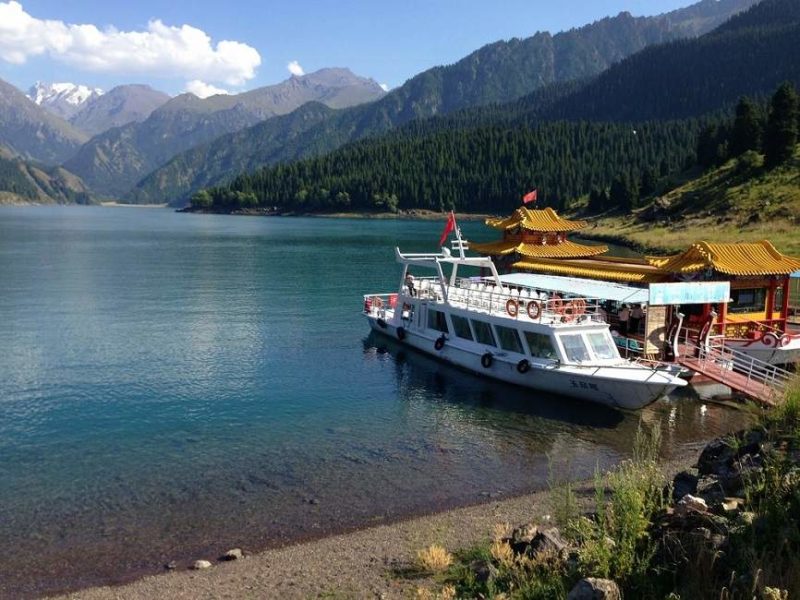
[593,384]
[767,351]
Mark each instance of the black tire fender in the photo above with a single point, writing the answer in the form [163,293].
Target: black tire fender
[401,333]
[486,360]
[381,323]
[523,366]
[439,343]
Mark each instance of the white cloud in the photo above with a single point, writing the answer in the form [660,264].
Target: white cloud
[201,89]
[384,86]
[295,68]
[160,50]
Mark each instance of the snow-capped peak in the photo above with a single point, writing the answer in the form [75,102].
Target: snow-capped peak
[63,98]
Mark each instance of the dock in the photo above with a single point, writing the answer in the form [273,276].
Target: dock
[762,382]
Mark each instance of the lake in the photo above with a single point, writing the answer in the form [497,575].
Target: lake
[174,385]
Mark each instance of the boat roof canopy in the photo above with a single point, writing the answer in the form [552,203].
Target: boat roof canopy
[588,288]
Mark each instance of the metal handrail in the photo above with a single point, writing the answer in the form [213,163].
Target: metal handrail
[776,378]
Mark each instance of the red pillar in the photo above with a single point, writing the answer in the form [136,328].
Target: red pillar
[771,300]
[785,304]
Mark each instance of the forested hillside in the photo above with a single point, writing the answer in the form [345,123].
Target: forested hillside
[750,55]
[481,169]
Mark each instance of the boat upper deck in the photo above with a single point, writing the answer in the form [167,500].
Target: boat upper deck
[520,303]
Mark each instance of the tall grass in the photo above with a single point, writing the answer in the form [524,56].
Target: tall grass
[614,542]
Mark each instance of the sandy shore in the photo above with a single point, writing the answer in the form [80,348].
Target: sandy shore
[370,563]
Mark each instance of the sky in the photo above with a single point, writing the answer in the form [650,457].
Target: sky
[238,45]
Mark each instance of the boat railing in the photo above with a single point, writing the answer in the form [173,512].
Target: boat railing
[376,305]
[524,304]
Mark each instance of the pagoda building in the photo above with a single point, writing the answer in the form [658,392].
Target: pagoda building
[533,235]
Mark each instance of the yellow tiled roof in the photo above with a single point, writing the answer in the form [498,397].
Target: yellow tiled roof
[536,220]
[500,248]
[594,269]
[565,249]
[759,258]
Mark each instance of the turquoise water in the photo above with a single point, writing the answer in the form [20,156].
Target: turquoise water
[173,385]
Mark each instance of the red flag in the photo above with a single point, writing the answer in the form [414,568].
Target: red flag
[449,226]
[530,196]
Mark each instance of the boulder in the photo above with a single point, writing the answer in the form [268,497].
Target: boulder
[521,538]
[732,505]
[684,483]
[548,540]
[592,588]
[690,503]
[201,564]
[710,489]
[484,570]
[716,455]
[734,477]
[233,554]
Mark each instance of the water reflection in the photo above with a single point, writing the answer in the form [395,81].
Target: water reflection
[682,417]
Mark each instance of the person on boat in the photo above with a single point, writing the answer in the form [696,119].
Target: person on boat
[601,313]
[623,317]
[637,314]
[410,285]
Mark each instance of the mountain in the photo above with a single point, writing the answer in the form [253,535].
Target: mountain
[22,181]
[749,55]
[486,156]
[112,162]
[121,105]
[62,99]
[32,132]
[497,73]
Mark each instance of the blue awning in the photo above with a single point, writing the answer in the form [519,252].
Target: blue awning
[587,288]
[795,275]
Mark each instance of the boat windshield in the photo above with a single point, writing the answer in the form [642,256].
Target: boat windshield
[602,345]
[575,348]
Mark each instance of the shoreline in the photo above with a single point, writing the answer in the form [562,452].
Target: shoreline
[409,215]
[369,562]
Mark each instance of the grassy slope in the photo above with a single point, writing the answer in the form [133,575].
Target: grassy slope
[739,201]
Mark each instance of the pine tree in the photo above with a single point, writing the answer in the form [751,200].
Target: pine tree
[781,133]
[747,128]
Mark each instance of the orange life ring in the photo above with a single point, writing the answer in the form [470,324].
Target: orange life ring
[534,309]
[377,302]
[512,307]
[580,306]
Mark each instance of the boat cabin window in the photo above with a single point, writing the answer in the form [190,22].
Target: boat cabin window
[541,346]
[508,338]
[747,300]
[461,327]
[602,345]
[575,348]
[437,321]
[483,333]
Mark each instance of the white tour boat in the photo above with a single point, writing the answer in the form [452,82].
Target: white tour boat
[514,334]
